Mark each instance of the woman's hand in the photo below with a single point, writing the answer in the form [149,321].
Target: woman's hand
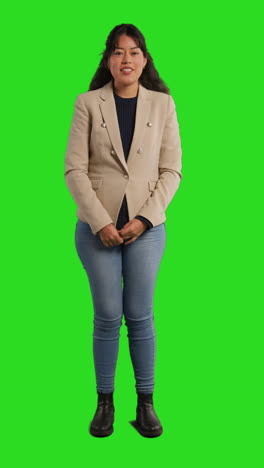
[133,229]
[109,236]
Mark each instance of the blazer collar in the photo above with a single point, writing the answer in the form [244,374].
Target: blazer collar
[109,114]
[107,91]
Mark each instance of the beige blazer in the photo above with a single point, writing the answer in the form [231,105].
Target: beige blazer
[96,171]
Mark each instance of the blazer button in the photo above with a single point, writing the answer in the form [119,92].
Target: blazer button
[103,124]
[149,124]
[113,152]
[125,176]
[140,150]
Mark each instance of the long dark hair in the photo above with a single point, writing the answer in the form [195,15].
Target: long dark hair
[149,77]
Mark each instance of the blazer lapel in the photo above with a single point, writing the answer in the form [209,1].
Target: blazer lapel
[108,110]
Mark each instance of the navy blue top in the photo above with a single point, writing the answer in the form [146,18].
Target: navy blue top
[126,113]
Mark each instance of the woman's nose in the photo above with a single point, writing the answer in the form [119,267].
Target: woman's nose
[125,58]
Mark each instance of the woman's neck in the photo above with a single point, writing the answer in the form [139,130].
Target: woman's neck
[127,91]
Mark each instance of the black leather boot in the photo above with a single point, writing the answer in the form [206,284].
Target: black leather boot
[102,423]
[147,421]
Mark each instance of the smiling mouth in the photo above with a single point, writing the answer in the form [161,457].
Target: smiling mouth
[126,71]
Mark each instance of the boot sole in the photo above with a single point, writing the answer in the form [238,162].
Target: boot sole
[149,433]
[101,433]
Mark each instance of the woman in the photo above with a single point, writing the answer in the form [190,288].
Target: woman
[123,167]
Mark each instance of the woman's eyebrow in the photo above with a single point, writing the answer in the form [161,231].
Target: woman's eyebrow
[130,47]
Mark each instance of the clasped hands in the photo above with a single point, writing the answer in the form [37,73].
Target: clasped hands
[111,236]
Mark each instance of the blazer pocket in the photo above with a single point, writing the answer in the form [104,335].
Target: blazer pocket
[96,183]
[152,185]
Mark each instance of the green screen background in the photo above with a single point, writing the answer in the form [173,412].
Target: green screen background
[207,304]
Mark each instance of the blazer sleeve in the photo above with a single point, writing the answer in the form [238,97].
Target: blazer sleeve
[76,170]
[170,166]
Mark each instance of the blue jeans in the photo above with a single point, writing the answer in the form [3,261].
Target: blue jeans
[122,280]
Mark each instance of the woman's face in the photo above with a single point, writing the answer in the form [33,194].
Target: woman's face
[126,55]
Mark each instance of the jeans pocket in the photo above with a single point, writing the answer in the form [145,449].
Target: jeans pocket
[81,226]
[159,226]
